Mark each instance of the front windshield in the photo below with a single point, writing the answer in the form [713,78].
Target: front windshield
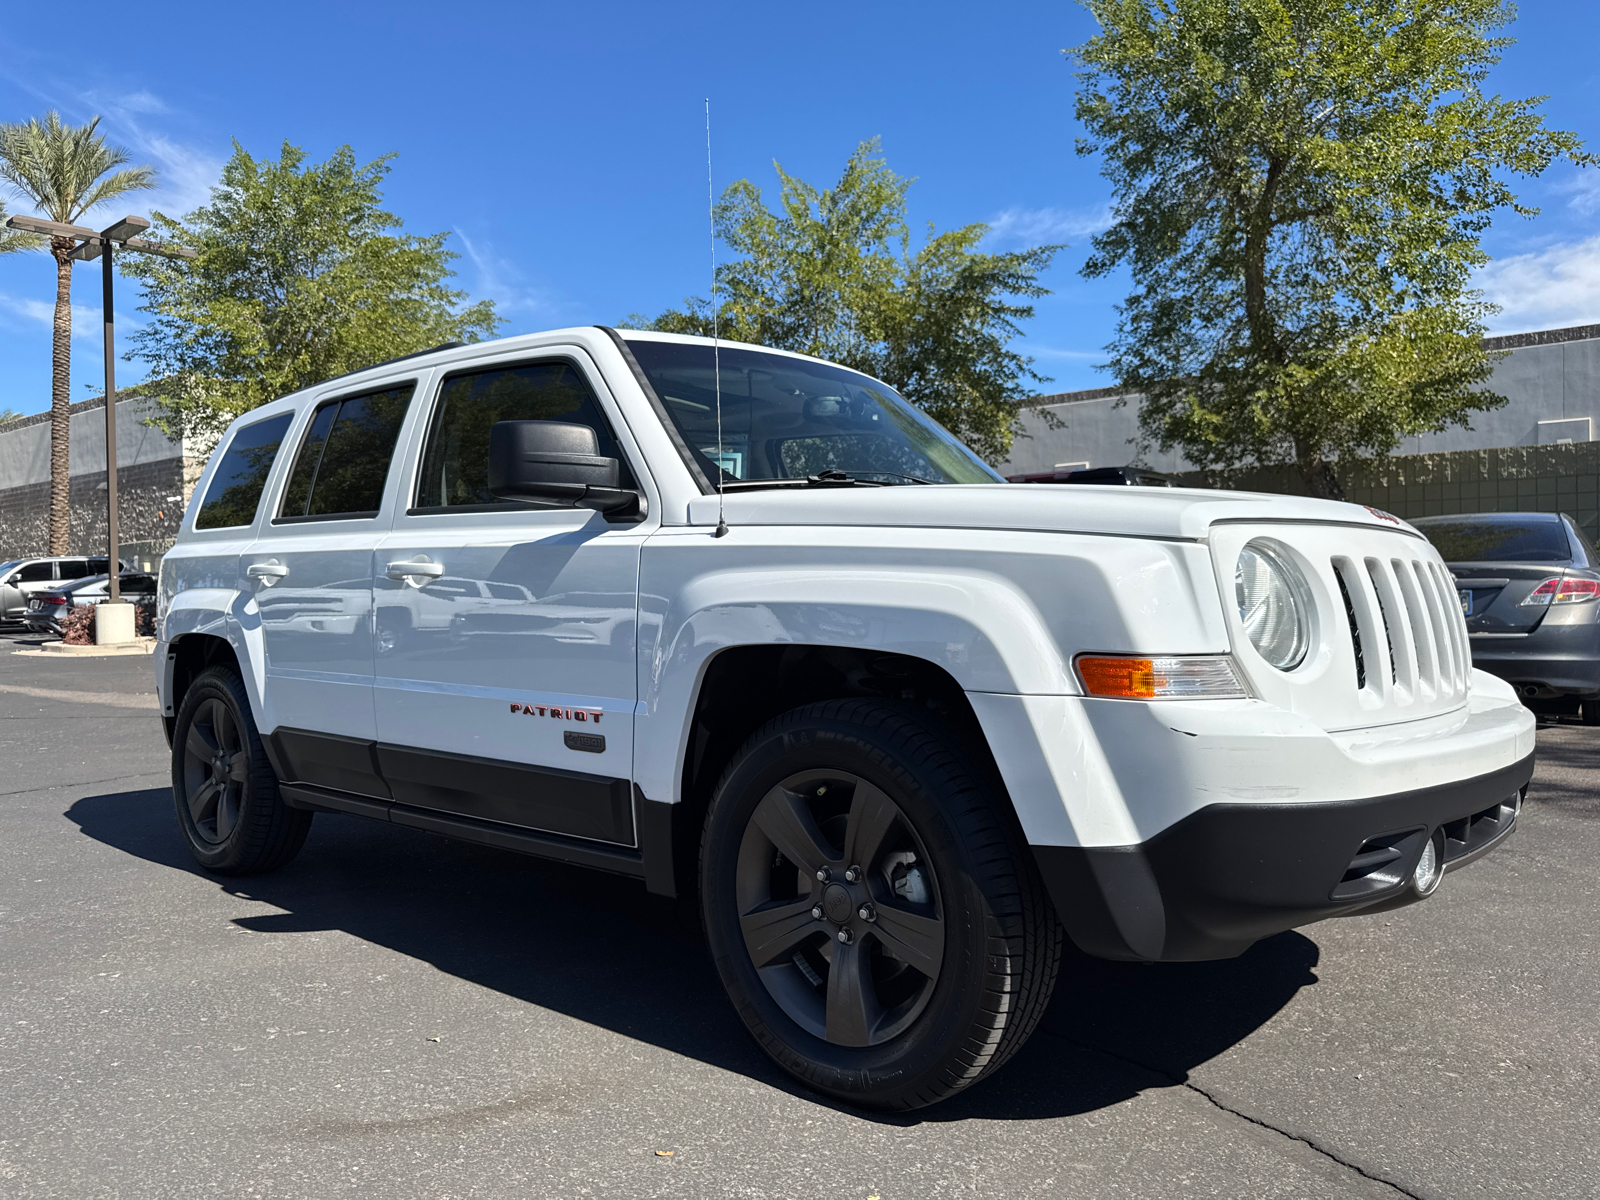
[791,418]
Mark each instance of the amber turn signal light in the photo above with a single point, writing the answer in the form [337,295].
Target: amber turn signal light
[1120,677]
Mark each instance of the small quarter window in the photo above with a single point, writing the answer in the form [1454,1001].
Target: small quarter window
[241,476]
[344,459]
[455,464]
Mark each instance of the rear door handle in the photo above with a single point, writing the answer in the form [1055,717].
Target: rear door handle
[411,570]
[268,572]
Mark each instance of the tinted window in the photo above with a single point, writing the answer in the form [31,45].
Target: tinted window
[343,462]
[73,568]
[99,566]
[37,572]
[241,476]
[787,418]
[455,465]
[1530,538]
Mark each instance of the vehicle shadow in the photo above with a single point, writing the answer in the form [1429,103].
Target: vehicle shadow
[600,949]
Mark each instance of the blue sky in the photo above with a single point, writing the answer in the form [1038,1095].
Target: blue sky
[563,145]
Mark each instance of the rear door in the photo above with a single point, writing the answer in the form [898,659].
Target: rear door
[505,672]
[311,572]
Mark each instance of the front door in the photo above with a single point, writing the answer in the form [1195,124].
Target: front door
[505,679]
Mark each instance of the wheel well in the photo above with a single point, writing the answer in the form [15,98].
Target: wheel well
[746,686]
[191,655]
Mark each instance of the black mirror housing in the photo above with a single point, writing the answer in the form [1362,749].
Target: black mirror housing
[554,460]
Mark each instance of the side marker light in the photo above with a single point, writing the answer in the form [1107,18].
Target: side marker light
[1202,677]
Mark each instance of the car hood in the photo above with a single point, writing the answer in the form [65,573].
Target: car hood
[1182,513]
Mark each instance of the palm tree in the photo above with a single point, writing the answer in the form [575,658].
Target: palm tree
[62,171]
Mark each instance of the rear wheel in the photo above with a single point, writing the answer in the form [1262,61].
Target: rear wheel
[874,916]
[225,791]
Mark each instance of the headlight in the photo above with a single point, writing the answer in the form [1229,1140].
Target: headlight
[1274,605]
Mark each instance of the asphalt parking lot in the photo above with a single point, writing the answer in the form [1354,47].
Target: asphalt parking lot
[396,1015]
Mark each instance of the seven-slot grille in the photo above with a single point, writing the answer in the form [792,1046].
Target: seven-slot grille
[1406,628]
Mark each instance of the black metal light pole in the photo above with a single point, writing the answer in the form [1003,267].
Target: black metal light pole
[94,245]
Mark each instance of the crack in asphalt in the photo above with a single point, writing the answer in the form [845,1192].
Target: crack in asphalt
[1243,1116]
[56,787]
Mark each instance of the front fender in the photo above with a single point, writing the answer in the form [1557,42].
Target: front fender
[1001,611]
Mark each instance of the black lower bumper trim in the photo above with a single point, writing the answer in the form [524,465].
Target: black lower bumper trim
[1230,874]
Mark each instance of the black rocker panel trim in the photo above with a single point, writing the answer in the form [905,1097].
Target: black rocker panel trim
[545,798]
[616,859]
[1230,874]
[345,764]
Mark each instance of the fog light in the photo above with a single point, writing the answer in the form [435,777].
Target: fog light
[1430,867]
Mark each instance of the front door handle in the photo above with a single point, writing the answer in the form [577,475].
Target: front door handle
[407,571]
[267,572]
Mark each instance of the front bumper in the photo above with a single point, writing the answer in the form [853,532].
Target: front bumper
[1230,874]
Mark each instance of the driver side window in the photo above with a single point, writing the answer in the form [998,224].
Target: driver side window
[455,458]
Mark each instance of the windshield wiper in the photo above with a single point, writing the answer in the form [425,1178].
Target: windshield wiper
[833,477]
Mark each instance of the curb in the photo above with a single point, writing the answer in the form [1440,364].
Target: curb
[139,646]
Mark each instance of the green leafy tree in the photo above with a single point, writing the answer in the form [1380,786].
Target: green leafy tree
[1301,186]
[64,171]
[832,274]
[301,275]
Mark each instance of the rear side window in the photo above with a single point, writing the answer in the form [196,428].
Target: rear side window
[455,464]
[1531,539]
[241,476]
[74,568]
[344,459]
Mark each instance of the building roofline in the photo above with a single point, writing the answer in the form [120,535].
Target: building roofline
[1542,337]
[1505,341]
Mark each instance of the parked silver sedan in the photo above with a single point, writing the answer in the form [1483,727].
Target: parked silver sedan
[47,609]
[1529,585]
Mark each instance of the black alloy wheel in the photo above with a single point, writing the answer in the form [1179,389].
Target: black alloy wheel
[872,907]
[215,767]
[223,786]
[839,908]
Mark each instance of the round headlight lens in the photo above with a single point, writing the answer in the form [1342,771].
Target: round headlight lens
[1273,605]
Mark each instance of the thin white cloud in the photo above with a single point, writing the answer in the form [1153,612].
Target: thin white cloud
[1550,289]
[498,279]
[1584,188]
[1061,355]
[1039,226]
[185,174]
[85,320]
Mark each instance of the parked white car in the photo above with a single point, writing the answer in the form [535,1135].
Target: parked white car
[21,578]
[897,723]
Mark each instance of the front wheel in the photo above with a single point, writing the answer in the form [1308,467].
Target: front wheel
[874,915]
[229,810]
[1589,711]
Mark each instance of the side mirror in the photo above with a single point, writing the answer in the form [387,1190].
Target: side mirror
[554,460]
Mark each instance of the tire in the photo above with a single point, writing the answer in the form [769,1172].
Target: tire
[952,960]
[1589,710]
[223,787]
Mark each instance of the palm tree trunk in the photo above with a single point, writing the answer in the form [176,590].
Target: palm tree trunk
[61,402]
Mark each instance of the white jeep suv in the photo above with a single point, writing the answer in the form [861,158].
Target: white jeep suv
[773,638]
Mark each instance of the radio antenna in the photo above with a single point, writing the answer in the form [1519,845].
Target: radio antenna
[716,345]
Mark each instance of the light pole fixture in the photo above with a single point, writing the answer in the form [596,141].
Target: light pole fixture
[92,245]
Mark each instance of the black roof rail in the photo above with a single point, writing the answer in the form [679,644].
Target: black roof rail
[390,361]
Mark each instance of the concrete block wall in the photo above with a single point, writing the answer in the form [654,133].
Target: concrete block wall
[1560,478]
[155,476]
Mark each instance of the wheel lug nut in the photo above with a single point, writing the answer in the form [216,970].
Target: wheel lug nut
[853,874]
[846,936]
[867,913]
[816,912]
[823,874]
